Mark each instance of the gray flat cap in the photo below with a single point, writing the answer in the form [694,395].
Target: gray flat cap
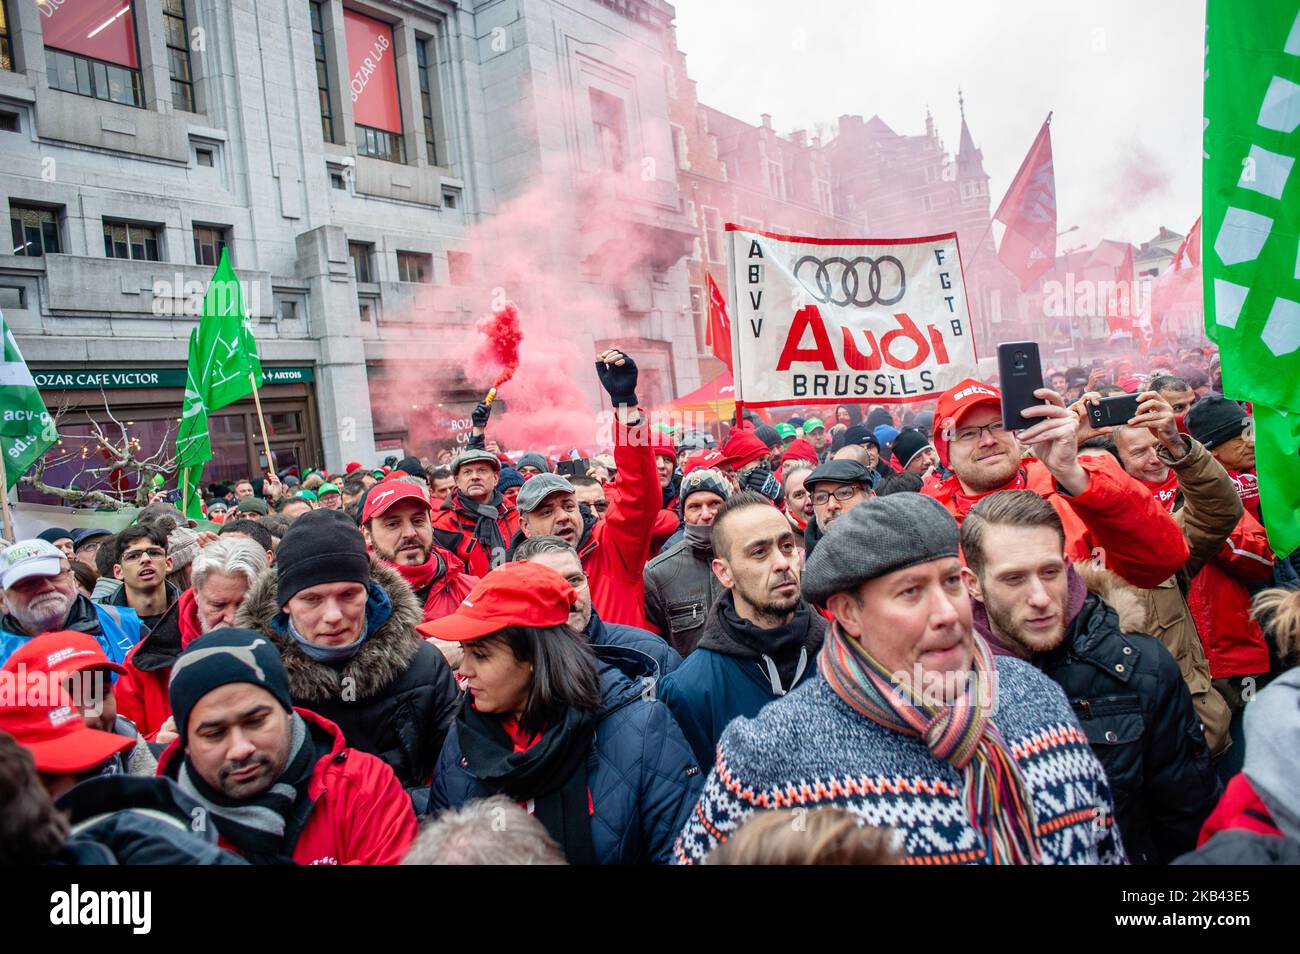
[473,454]
[876,537]
[537,488]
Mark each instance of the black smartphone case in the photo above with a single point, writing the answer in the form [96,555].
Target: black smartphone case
[1021,372]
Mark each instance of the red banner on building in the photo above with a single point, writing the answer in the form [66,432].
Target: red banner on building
[1029,212]
[719,327]
[372,73]
[101,29]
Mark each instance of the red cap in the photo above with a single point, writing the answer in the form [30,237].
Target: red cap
[954,404]
[62,651]
[386,470]
[708,457]
[514,594]
[505,459]
[662,446]
[800,449]
[386,493]
[1130,383]
[57,737]
[354,465]
[742,448]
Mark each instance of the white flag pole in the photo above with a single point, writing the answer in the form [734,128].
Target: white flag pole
[4,482]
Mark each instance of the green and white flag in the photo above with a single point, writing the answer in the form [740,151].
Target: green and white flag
[26,428]
[1251,233]
[223,354]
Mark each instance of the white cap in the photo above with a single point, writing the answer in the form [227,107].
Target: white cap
[27,558]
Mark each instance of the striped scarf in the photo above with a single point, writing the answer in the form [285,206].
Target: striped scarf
[963,734]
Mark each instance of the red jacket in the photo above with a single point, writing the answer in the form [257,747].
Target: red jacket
[1116,519]
[361,815]
[1220,602]
[615,554]
[141,693]
[1239,808]
[453,529]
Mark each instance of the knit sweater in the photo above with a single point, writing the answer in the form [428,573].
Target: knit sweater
[810,749]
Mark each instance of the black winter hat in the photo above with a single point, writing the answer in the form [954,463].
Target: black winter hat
[768,435]
[1214,420]
[860,434]
[877,417]
[222,657]
[321,546]
[908,444]
[412,466]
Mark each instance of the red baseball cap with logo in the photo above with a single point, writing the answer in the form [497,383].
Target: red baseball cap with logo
[57,737]
[956,403]
[62,651]
[708,457]
[515,594]
[387,493]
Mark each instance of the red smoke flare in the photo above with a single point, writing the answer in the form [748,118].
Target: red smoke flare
[501,349]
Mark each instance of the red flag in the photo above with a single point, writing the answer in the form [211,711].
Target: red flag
[1176,296]
[1120,312]
[718,329]
[1028,210]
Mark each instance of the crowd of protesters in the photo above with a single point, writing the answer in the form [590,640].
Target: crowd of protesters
[895,634]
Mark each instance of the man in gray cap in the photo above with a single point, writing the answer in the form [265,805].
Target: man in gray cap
[911,723]
[475,521]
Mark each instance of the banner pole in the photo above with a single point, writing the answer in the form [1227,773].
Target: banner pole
[185,489]
[261,422]
[4,483]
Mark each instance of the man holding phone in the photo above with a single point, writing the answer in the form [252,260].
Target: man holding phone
[1107,514]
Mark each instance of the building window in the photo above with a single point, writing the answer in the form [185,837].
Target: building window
[697,313]
[460,268]
[776,179]
[825,200]
[204,157]
[670,81]
[337,181]
[9,121]
[380,144]
[101,61]
[679,147]
[414,267]
[322,72]
[713,234]
[209,243]
[359,252]
[131,240]
[423,49]
[607,115]
[450,199]
[35,230]
[178,54]
[6,54]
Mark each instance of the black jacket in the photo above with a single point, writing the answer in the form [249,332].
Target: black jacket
[394,699]
[1134,707]
[680,590]
[132,820]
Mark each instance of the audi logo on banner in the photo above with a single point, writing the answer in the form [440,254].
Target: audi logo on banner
[861,281]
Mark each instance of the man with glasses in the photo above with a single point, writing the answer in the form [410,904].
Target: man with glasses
[836,487]
[1109,517]
[41,595]
[142,566]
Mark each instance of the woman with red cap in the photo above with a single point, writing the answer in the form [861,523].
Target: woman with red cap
[575,740]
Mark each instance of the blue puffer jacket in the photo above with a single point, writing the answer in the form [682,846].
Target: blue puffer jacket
[115,628]
[603,635]
[641,775]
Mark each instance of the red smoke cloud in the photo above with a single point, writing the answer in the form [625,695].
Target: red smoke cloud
[503,337]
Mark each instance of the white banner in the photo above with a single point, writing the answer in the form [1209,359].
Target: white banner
[820,321]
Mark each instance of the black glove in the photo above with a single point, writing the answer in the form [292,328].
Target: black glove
[619,382]
[764,481]
[479,416]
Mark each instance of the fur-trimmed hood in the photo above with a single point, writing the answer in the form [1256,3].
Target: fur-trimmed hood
[1121,596]
[384,657]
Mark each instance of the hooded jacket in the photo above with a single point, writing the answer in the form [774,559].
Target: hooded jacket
[134,820]
[142,692]
[1115,516]
[607,638]
[725,677]
[120,598]
[394,698]
[1129,697]
[358,815]
[642,780]
[454,525]
[680,590]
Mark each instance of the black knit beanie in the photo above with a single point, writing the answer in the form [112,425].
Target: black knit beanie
[219,658]
[321,546]
[1214,420]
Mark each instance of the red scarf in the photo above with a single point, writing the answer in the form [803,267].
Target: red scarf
[418,577]
[1165,492]
[965,501]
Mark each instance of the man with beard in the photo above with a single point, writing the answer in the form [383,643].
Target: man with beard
[40,594]
[761,639]
[221,576]
[615,548]
[680,586]
[1107,514]
[397,528]
[1125,687]
[475,521]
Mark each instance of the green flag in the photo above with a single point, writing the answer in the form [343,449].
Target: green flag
[1251,229]
[26,429]
[222,356]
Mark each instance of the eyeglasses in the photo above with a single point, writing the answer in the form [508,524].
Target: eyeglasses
[968,434]
[847,492]
[135,556]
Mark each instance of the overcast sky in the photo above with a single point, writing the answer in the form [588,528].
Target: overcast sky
[1123,78]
